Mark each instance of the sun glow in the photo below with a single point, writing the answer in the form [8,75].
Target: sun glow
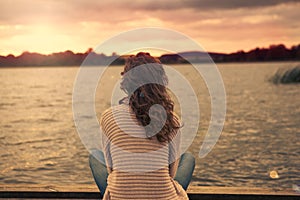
[40,38]
[56,26]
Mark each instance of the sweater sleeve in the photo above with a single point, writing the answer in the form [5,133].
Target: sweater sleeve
[106,152]
[106,143]
[174,154]
[174,148]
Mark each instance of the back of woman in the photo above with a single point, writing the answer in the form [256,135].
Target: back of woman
[139,167]
[141,139]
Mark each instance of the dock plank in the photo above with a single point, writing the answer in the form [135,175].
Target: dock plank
[194,192]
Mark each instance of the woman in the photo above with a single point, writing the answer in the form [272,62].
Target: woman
[141,139]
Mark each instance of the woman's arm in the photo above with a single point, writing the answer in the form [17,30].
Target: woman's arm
[173,168]
[174,154]
[105,143]
[107,156]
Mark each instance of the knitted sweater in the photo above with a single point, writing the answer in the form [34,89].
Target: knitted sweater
[138,166]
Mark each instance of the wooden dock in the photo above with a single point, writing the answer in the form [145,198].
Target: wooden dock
[194,192]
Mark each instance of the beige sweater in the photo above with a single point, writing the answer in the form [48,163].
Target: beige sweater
[138,167]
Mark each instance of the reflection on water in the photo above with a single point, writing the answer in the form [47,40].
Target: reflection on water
[259,146]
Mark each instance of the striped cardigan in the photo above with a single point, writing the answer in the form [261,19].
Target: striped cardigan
[138,167]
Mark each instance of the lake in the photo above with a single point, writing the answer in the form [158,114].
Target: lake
[261,134]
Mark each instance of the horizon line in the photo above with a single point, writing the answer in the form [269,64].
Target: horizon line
[89,50]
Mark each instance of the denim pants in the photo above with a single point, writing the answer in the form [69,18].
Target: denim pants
[183,175]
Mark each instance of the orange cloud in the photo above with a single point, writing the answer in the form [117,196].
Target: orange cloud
[226,26]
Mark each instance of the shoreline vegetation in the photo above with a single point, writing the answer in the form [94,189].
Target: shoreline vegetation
[286,76]
[68,58]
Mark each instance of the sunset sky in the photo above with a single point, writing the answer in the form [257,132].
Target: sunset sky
[48,26]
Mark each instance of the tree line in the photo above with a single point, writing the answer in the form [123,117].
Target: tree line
[68,58]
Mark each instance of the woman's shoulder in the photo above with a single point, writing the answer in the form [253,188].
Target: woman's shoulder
[113,112]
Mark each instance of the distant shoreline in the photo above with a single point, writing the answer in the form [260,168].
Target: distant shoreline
[274,53]
[114,65]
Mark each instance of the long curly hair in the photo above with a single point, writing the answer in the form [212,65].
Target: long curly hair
[142,96]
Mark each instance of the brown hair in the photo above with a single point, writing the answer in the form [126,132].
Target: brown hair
[143,96]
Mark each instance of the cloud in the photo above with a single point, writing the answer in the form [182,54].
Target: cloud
[234,4]
[179,4]
[217,24]
[19,11]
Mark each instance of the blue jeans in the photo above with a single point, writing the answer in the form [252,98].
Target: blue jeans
[183,176]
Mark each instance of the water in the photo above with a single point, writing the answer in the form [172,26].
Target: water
[259,145]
